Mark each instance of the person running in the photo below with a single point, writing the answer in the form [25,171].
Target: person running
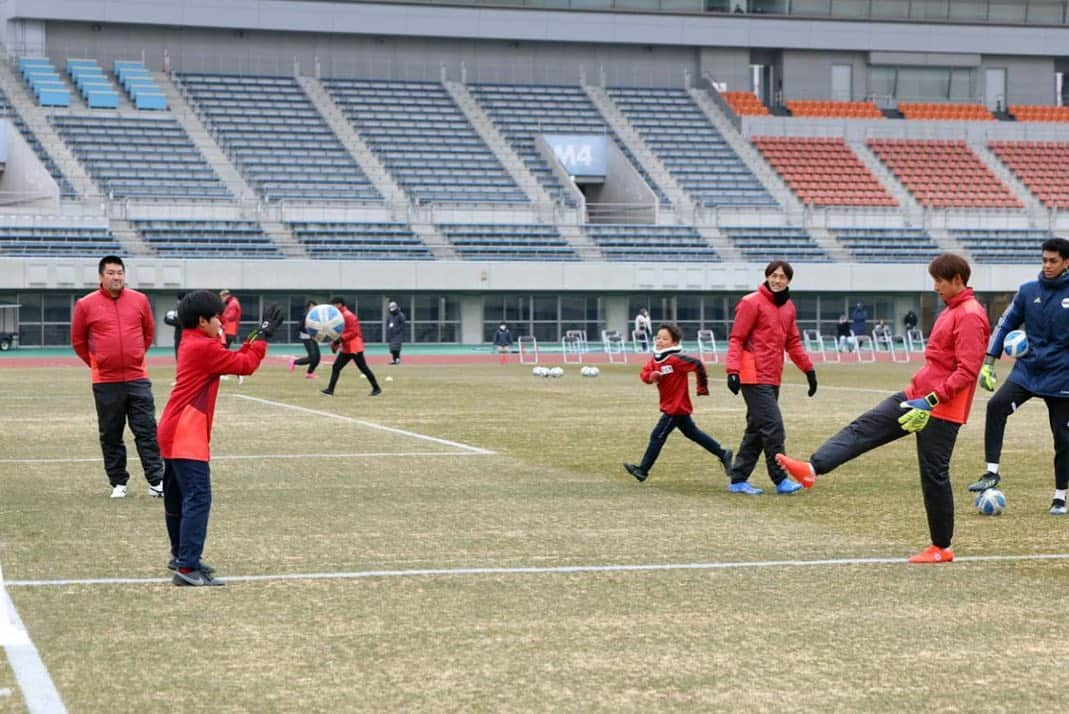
[311,347]
[765,326]
[933,406]
[668,369]
[111,331]
[1041,306]
[349,348]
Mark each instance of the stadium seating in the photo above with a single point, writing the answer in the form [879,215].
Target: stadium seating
[96,89]
[360,241]
[945,112]
[134,157]
[275,136]
[649,243]
[760,244]
[1041,166]
[691,148]
[8,111]
[888,245]
[18,241]
[1022,112]
[507,242]
[139,84]
[206,239]
[522,112]
[1002,245]
[823,172]
[424,140]
[943,174]
[745,103]
[44,82]
[837,110]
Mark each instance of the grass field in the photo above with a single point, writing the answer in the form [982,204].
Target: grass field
[508,563]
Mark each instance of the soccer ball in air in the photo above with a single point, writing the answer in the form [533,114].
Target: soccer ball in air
[590,371]
[324,323]
[991,502]
[1016,344]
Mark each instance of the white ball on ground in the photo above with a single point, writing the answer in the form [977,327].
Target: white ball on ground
[556,372]
[389,379]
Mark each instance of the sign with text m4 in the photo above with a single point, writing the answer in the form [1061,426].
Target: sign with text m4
[580,154]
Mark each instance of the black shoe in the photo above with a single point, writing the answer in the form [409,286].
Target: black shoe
[375,392]
[635,471]
[988,480]
[208,570]
[726,460]
[326,392]
[194,578]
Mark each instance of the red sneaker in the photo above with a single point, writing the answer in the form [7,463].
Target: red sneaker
[293,364]
[800,471]
[933,554]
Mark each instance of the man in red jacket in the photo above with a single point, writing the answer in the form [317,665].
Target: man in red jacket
[934,406]
[350,348]
[765,325]
[231,317]
[111,330]
[668,369]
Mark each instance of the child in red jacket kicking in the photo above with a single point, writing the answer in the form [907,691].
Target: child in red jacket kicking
[668,369]
[186,426]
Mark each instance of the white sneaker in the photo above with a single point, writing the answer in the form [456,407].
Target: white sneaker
[156,491]
[241,379]
[225,377]
[119,491]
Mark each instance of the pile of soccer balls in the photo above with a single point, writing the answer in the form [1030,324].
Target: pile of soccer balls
[555,372]
[590,371]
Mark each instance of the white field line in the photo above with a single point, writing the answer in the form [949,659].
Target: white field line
[255,457]
[546,570]
[38,689]
[368,424]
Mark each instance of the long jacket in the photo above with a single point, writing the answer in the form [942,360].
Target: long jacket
[395,329]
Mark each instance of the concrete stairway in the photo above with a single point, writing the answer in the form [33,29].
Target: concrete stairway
[887,179]
[128,237]
[1019,190]
[829,244]
[723,245]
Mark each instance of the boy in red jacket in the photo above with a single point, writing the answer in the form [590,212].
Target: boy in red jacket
[350,348]
[668,369]
[186,426]
[934,406]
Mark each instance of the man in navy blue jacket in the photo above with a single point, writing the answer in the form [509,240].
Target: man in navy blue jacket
[1042,307]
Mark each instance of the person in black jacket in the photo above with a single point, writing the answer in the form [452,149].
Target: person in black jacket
[171,318]
[310,346]
[395,331]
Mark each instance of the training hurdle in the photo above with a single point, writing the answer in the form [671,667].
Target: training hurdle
[707,350]
[572,347]
[814,343]
[890,342]
[614,346]
[528,349]
[915,340]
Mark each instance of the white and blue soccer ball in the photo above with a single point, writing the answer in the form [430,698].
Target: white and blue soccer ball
[540,371]
[1016,344]
[590,371]
[556,372]
[991,502]
[324,323]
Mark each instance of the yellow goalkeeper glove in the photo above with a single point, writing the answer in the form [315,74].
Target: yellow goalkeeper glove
[988,378]
[920,410]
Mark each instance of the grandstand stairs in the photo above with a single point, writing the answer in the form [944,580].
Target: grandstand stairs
[363,156]
[584,246]
[653,166]
[827,242]
[36,119]
[946,242]
[747,153]
[906,203]
[723,245]
[128,237]
[1020,191]
[489,133]
[439,247]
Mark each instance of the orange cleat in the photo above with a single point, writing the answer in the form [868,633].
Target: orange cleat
[933,554]
[800,471]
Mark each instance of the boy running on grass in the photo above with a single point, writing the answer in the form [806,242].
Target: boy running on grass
[186,426]
[668,369]
[934,406]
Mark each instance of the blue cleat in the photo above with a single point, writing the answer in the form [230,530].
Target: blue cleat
[788,486]
[744,487]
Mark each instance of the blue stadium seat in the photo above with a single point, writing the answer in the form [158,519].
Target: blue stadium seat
[888,245]
[360,241]
[208,239]
[762,244]
[18,241]
[651,243]
[507,242]
[1003,245]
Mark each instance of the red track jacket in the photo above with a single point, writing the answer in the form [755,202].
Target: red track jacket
[185,429]
[674,368]
[953,357]
[231,317]
[352,339]
[111,335]
[761,332]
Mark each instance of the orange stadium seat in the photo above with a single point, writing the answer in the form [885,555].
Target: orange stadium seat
[745,103]
[943,174]
[1022,112]
[1041,166]
[823,171]
[827,108]
[945,112]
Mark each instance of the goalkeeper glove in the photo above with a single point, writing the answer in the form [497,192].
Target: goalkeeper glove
[920,410]
[733,383]
[811,377]
[269,322]
[988,378]
[335,346]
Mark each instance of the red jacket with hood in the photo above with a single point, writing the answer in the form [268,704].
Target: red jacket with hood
[761,333]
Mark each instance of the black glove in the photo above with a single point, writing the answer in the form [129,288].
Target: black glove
[270,320]
[811,377]
[733,383]
[171,318]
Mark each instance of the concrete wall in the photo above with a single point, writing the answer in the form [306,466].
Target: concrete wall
[807,74]
[25,179]
[729,65]
[1029,80]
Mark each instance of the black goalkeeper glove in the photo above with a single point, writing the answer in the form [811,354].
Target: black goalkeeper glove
[811,377]
[270,320]
[733,383]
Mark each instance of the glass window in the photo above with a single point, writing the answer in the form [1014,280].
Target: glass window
[882,81]
[57,308]
[56,335]
[1008,11]
[961,84]
[811,7]
[689,308]
[928,9]
[544,307]
[30,334]
[850,8]
[31,307]
[1046,12]
[890,9]
[968,10]
[922,83]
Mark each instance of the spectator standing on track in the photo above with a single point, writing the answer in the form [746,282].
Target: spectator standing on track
[669,370]
[231,320]
[934,406]
[395,330]
[860,319]
[844,336]
[111,330]
[349,348]
[765,327]
[311,347]
[503,341]
[909,320]
[643,325]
